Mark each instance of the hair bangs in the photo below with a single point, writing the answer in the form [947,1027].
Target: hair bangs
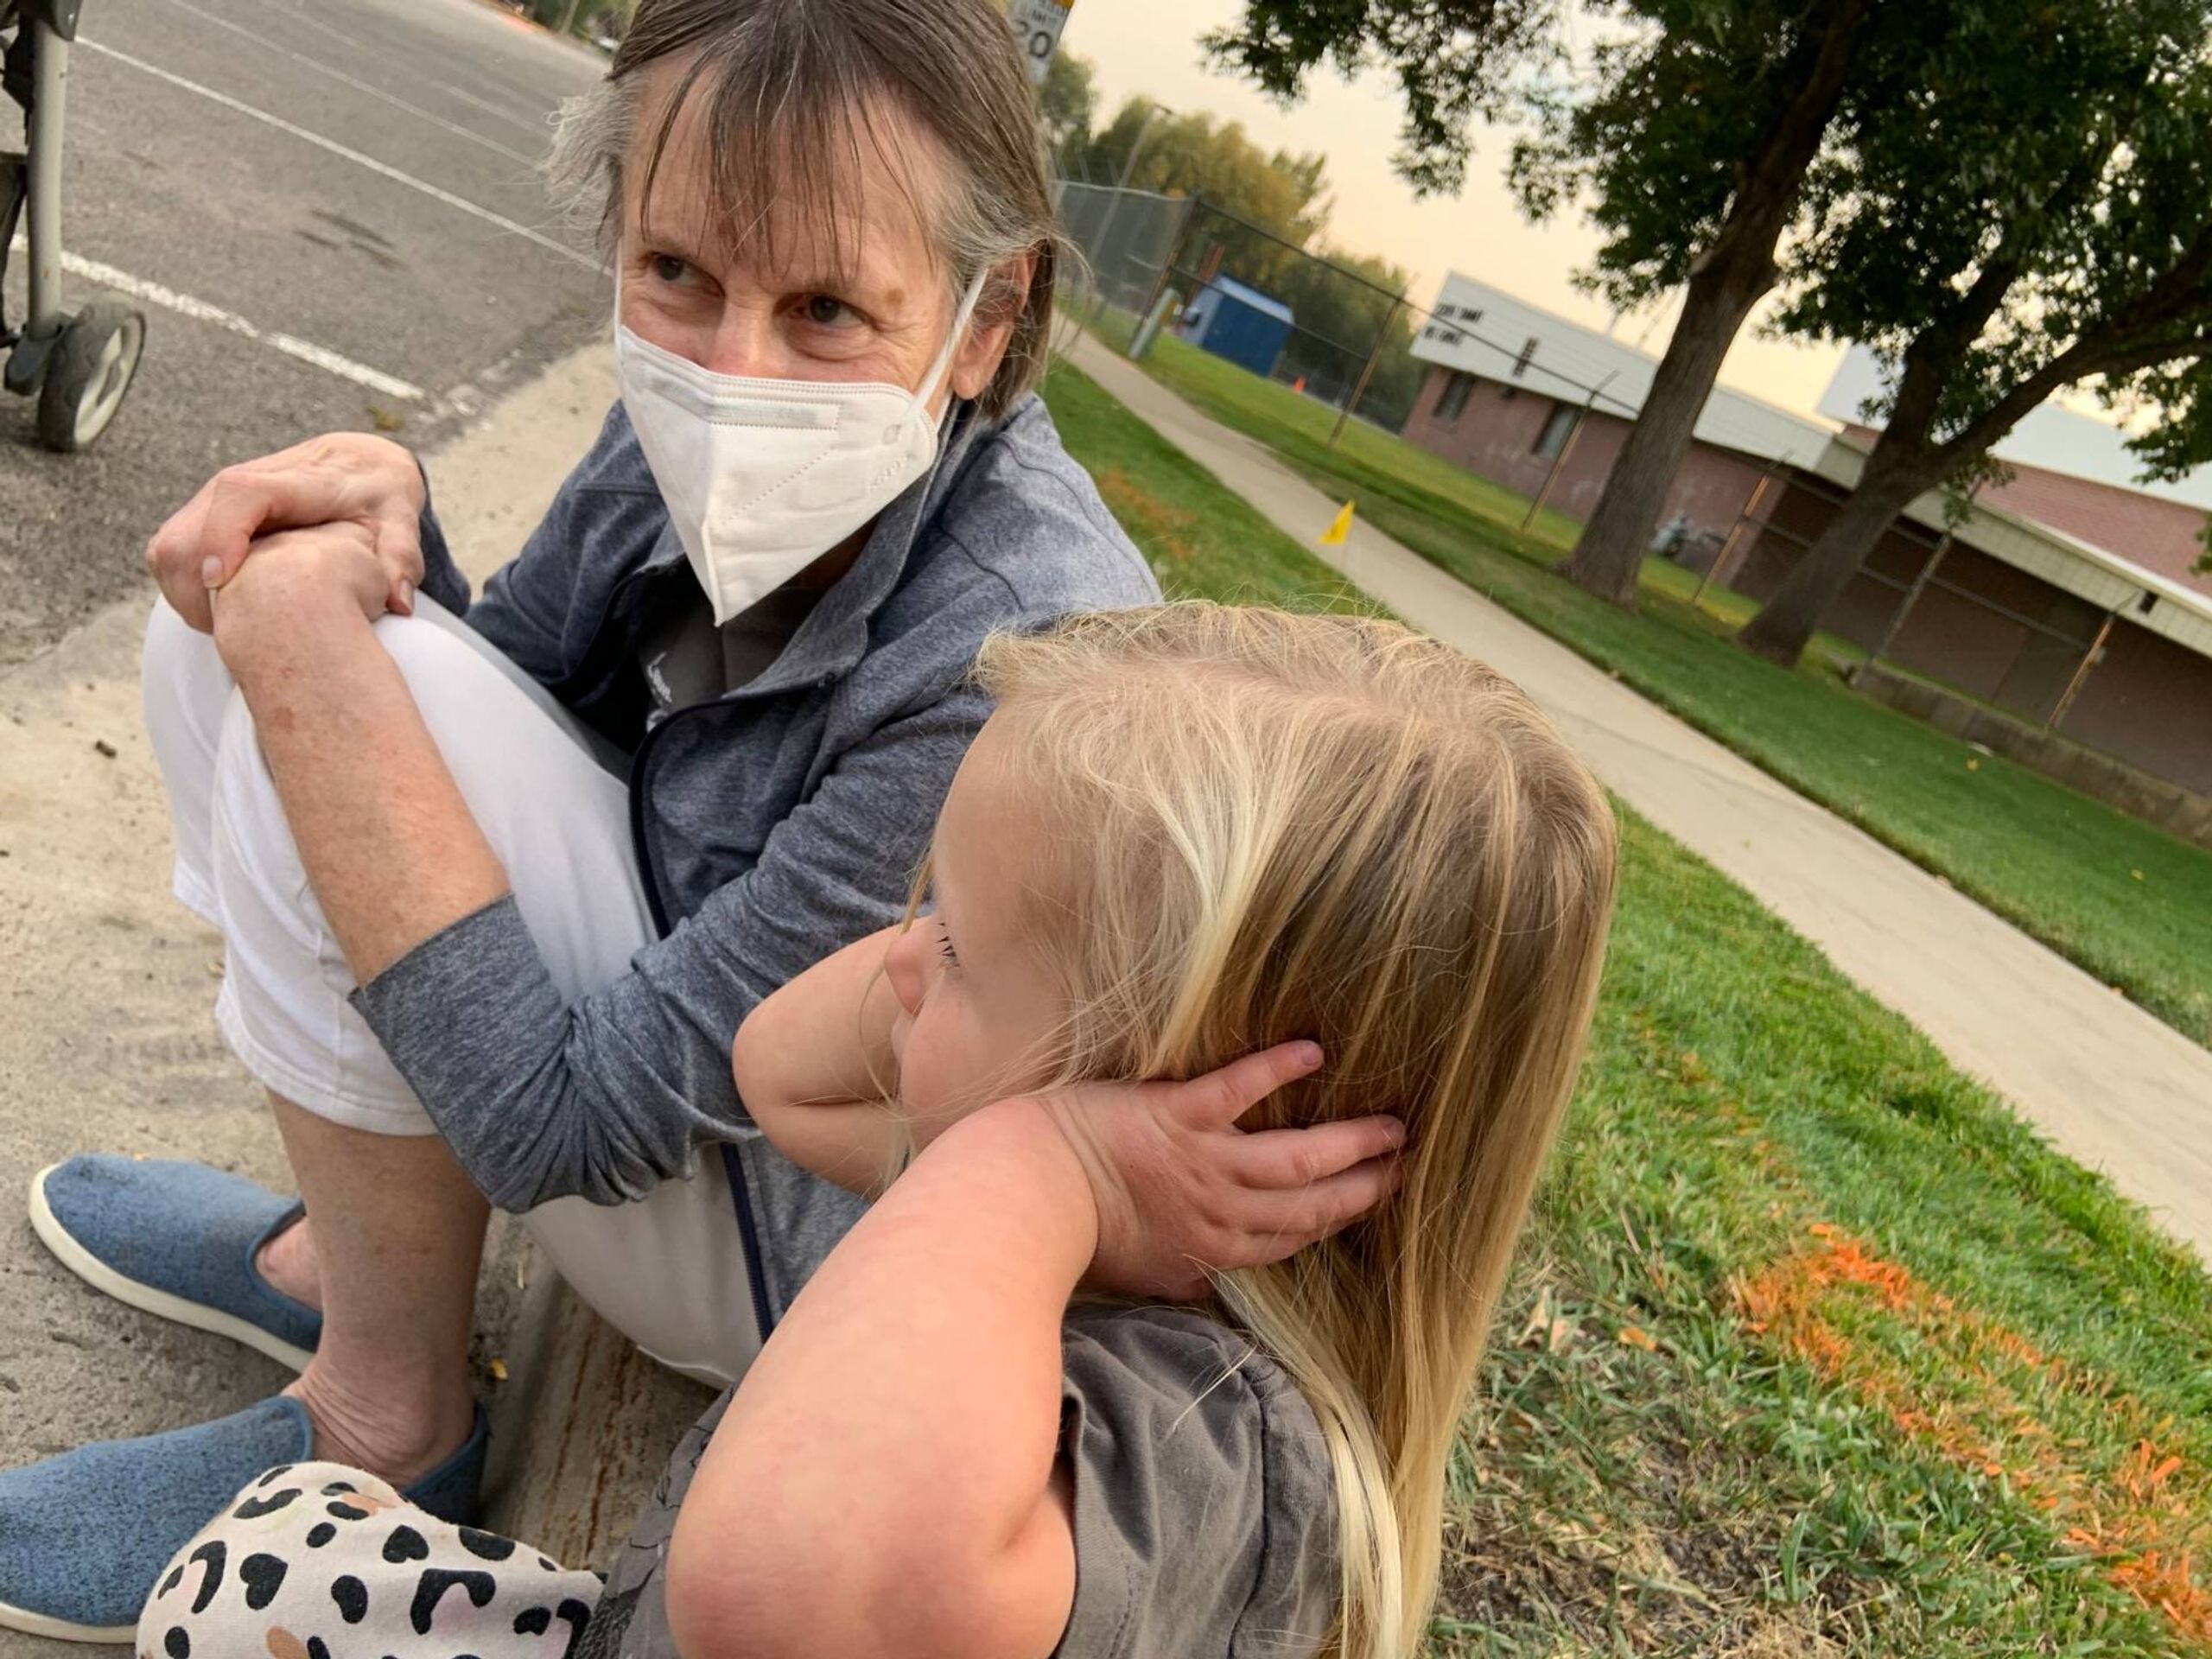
[795,134]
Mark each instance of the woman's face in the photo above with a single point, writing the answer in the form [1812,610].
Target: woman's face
[882,317]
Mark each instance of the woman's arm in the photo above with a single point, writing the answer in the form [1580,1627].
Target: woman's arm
[882,1486]
[388,843]
[814,1067]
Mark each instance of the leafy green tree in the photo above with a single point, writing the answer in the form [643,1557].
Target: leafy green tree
[1343,301]
[1454,60]
[2049,224]
[2002,197]
[1067,105]
[1690,141]
[1284,198]
[1197,154]
[1283,194]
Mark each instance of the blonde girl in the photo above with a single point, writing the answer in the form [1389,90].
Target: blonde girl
[1350,888]
[1188,833]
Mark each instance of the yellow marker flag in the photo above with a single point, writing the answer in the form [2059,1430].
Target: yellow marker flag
[1338,532]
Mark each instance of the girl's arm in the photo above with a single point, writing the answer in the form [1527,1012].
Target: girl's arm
[883,1485]
[814,1066]
[888,1483]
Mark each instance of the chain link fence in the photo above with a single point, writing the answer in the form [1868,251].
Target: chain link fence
[1128,237]
[1348,342]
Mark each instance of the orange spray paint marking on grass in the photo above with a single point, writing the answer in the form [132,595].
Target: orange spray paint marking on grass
[2144,1519]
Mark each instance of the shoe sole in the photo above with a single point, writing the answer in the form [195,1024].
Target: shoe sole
[147,1300]
[60,1629]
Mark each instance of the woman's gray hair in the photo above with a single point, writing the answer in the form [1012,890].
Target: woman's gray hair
[799,95]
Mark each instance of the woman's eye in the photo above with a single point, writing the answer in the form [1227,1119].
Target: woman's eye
[670,268]
[825,311]
[944,945]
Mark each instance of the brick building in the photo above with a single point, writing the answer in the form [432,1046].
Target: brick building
[2067,599]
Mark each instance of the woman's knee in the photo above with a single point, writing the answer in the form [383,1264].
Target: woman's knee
[249,814]
[185,690]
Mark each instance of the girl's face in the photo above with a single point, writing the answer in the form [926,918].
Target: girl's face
[979,1005]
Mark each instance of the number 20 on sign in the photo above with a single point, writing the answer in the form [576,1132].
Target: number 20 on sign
[1037,26]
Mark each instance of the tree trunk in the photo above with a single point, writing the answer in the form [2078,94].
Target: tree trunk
[1788,620]
[1726,282]
[1610,555]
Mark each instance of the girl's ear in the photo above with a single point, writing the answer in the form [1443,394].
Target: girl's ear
[1005,293]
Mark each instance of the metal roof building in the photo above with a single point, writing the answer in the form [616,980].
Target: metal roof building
[2066,598]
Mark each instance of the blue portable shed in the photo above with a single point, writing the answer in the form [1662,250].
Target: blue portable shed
[1239,323]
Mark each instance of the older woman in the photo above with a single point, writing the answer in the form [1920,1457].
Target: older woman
[496,893]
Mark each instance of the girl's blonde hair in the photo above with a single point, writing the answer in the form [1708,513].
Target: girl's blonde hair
[1268,827]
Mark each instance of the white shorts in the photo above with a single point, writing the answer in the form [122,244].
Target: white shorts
[669,1271]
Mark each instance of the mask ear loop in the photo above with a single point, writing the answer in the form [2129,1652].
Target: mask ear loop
[933,381]
[961,319]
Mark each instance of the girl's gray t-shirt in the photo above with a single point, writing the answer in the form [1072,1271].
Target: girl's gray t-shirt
[1206,1518]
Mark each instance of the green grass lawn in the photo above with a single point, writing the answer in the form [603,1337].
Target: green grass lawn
[2127,902]
[1813,1349]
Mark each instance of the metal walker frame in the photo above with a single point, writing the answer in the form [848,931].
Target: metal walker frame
[78,365]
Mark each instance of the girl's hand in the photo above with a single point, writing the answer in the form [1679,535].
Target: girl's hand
[345,478]
[1181,1190]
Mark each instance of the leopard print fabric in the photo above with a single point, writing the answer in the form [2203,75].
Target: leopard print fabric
[315,1560]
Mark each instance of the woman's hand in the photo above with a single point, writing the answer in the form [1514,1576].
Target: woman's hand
[1180,1189]
[354,479]
[280,607]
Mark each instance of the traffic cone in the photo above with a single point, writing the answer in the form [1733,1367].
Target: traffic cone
[1339,531]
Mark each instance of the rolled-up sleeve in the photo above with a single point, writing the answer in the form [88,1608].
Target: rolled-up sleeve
[603,1098]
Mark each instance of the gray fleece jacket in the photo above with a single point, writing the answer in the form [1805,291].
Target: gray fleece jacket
[772,826]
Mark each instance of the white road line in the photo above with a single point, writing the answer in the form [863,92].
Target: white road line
[488,108]
[152,293]
[340,75]
[300,14]
[345,152]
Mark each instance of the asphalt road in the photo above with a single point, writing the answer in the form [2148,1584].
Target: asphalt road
[330,213]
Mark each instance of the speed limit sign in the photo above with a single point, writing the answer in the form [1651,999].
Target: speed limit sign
[1037,26]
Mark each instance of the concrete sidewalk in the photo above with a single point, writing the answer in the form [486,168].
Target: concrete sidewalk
[2112,1087]
[106,1044]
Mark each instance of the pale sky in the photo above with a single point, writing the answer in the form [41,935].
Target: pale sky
[1151,47]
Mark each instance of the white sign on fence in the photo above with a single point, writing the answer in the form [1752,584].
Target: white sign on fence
[1037,25]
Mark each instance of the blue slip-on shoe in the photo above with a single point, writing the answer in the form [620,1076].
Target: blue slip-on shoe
[178,1240]
[84,1537]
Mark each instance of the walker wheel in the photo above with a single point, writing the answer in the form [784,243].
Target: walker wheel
[89,372]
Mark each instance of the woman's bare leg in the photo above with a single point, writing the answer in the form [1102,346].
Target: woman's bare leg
[397,1234]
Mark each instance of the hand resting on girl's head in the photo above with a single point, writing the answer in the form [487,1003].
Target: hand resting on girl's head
[1180,1190]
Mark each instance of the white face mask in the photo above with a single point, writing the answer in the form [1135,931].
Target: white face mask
[763,477]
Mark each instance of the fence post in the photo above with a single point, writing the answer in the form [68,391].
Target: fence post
[1750,506]
[1175,257]
[1558,461]
[1367,369]
[1912,598]
[2089,661]
[1152,113]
